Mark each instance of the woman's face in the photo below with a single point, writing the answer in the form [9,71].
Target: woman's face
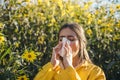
[72,37]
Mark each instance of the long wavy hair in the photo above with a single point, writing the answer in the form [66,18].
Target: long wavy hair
[83,54]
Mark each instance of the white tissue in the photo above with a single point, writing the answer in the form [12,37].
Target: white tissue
[62,51]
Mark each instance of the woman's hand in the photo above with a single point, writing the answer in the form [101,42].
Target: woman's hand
[67,59]
[55,60]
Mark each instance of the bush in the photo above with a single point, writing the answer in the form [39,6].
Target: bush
[28,32]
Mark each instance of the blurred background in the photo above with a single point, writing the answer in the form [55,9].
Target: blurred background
[29,28]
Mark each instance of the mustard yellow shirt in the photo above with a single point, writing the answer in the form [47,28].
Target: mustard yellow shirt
[86,71]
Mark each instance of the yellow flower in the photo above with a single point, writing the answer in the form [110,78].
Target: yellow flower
[87,5]
[29,56]
[118,7]
[109,24]
[40,14]
[1,25]
[50,24]
[99,21]
[19,15]
[2,39]
[118,25]
[63,13]
[112,11]
[25,15]
[24,77]
[27,0]
[17,44]
[89,21]
[19,1]
[96,12]
[89,32]
[41,39]
[53,20]
[116,37]
[76,20]
[89,15]
[39,1]
[109,29]
[60,4]
[103,29]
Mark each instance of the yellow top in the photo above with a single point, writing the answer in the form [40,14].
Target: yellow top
[86,71]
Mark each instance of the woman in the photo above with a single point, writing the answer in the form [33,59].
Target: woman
[75,63]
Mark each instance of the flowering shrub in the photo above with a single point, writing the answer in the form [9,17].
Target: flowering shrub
[29,31]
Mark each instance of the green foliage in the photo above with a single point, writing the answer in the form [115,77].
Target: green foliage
[35,27]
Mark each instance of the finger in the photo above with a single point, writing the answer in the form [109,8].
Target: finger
[53,51]
[58,47]
[55,55]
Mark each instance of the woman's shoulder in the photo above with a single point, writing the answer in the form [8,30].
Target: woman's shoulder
[95,67]
[93,71]
[89,66]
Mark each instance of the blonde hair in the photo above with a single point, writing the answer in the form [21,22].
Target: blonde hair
[83,54]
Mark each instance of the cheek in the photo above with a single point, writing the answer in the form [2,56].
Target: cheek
[75,47]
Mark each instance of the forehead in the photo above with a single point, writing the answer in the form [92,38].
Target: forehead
[67,32]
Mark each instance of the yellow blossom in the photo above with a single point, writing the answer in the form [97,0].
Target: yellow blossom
[109,29]
[103,29]
[109,24]
[40,39]
[54,0]
[29,56]
[112,11]
[99,21]
[27,0]
[53,20]
[96,12]
[89,15]
[1,25]
[118,25]
[106,29]
[25,15]
[89,32]
[40,14]
[118,7]
[17,44]
[116,37]
[72,14]
[63,13]
[87,5]
[50,24]
[24,77]
[76,20]
[2,39]
[89,21]
[70,7]
[60,4]
[19,1]
[39,1]
[19,15]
